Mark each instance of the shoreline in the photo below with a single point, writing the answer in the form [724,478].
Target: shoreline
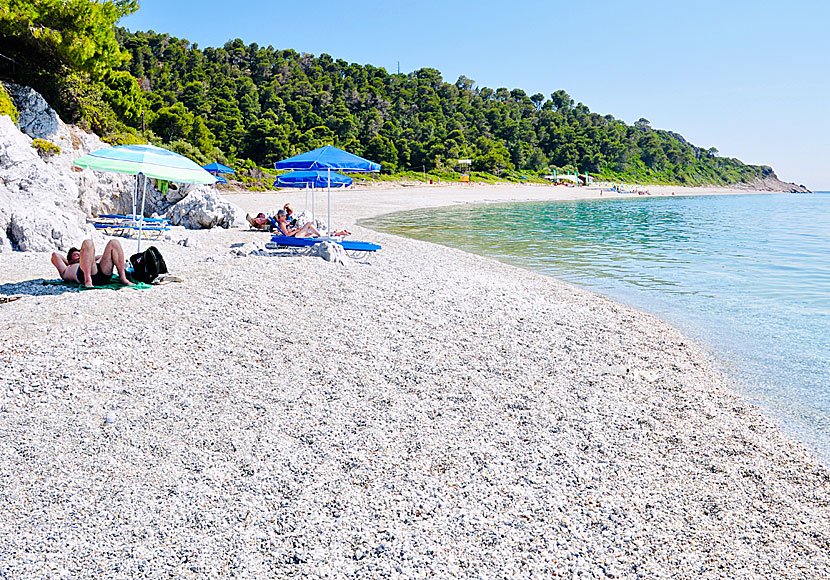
[367,202]
[422,412]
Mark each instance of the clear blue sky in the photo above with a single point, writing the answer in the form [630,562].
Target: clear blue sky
[751,78]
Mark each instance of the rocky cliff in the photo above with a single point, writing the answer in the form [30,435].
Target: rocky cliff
[770,182]
[45,202]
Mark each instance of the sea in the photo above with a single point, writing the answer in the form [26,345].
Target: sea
[746,276]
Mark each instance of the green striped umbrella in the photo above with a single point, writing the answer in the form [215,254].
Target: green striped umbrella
[149,161]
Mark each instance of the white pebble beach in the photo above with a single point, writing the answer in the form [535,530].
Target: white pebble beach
[418,413]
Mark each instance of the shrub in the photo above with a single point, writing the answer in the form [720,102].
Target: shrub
[182,147]
[7,106]
[86,105]
[123,138]
[45,149]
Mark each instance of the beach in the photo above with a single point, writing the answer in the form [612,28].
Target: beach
[419,412]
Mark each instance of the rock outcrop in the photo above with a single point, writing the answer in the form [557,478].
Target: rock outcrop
[39,208]
[45,203]
[770,182]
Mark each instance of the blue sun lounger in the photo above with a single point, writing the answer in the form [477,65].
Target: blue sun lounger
[123,225]
[156,221]
[352,247]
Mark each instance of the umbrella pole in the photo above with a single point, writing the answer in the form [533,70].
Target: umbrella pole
[135,195]
[141,220]
[329,202]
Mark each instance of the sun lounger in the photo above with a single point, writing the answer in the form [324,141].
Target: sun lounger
[352,247]
[126,225]
[155,221]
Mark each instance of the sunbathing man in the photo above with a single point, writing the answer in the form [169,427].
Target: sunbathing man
[305,231]
[84,267]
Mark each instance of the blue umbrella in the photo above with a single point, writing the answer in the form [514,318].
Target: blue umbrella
[221,179]
[217,167]
[312,179]
[328,158]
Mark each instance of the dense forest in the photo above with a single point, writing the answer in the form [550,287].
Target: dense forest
[251,105]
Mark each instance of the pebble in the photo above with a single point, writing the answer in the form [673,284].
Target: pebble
[421,413]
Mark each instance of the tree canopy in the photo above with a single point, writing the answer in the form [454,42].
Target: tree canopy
[264,104]
[243,101]
[79,34]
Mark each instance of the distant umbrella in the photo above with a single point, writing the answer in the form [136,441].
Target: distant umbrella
[217,167]
[328,157]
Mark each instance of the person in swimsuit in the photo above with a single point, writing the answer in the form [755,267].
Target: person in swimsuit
[289,216]
[85,268]
[306,231]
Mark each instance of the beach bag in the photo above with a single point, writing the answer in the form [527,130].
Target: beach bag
[148,265]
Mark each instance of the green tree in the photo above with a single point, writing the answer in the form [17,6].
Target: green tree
[76,34]
[174,122]
[124,96]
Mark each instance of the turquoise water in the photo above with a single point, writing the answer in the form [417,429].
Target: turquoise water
[746,275]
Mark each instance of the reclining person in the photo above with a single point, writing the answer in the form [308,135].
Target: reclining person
[84,267]
[305,231]
[260,222]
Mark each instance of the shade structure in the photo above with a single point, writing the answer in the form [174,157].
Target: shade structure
[327,157]
[149,161]
[312,179]
[217,167]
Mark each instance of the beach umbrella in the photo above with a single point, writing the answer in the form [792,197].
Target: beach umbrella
[217,167]
[312,179]
[147,161]
[328,158]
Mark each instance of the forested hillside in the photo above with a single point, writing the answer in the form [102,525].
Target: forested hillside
[246,102]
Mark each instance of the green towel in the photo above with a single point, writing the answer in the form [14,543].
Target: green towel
[114,284]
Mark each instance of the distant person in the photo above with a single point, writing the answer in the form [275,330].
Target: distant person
[260,222]
[306,231]
[85,268]
[289,216]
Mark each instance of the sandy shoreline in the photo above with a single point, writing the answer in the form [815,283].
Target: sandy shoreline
[421,413]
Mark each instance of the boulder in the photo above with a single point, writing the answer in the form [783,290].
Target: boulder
[330,252]
[204,208]
[37,119]
[305,217]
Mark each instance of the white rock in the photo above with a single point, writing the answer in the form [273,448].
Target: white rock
[38,205]
[330,252]
[204,208]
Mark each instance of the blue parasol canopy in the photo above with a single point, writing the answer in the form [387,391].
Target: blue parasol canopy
[318,179]
[217,167]
[327,157]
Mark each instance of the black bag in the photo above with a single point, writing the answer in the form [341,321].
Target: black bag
[148,265]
